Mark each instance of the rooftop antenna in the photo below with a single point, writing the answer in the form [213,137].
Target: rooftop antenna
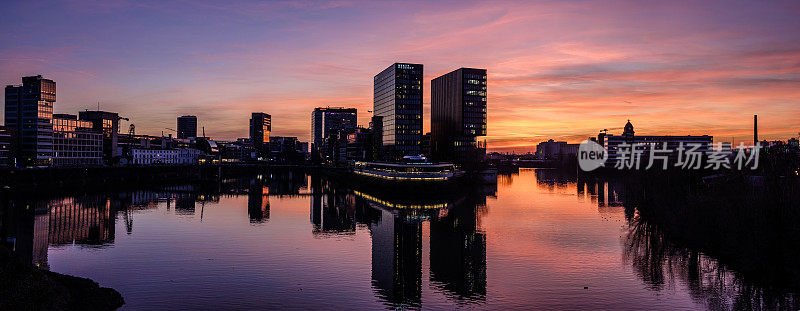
[98,106]
[204,132]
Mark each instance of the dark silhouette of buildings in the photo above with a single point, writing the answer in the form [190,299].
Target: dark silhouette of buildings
[187,127]
[615,143]
[7,146]
[398,100]
[29,110]
[458,115]
[258,201]
[108,124]
[458,251]
[260,127]
[397,258]
[326,123]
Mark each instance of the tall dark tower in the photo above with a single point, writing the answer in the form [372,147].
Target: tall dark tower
[398,100]
[458,115]
[260,127]
[187,127]
[755,129]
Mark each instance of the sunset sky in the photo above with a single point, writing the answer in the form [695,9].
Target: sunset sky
[556,69]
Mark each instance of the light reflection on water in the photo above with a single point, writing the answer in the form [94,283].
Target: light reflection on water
[538,240]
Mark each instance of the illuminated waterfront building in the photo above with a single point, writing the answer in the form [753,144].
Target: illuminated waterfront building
[398,101]
[458,115]
[29,111]
[75,142]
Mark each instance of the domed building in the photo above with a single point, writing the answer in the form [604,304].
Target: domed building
[628,131]
[617,144]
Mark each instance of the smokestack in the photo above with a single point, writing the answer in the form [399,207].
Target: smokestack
[755,129]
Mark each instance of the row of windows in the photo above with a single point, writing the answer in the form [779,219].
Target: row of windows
[409,116]
[474,92]
[475,109]
[412,96]
[475,87]
[406,86]
[77,154]
[474,76]
[475,81]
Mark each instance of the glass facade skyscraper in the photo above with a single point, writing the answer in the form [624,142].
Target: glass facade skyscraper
[458,115]
[29,110]
[398,101]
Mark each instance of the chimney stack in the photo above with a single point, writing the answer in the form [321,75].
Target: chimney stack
[755,129]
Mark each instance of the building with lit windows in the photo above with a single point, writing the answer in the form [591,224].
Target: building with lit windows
[29,110]
[398,101]
[326,123]
[260,127]
[179,156]
[7,145]
[619,146]
[75,143]
[108,124]
[187,127]
[458,115]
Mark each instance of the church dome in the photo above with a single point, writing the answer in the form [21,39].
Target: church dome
[628,129]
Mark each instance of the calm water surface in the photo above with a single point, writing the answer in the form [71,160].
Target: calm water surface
[536,240]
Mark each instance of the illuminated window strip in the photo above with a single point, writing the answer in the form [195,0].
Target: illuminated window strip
[399,177]
[399,206]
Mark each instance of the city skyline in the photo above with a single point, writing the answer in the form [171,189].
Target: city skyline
[578,69]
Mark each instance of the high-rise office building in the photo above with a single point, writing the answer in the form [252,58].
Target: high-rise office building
[7,146]
[260,127]
[187,127]
[329,121]
[398,100]
[29,110]
[326,123]
[458,115]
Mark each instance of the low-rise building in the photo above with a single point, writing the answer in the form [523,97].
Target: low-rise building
[620,146]
[554,150]
[75,142]
[179,156]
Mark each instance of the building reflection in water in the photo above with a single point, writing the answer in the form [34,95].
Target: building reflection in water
[258,201]
[457,247]
[30,227]
[458,251]
[397,258]
[661,260]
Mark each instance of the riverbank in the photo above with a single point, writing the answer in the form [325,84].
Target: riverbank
[26,287]
[110,177]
